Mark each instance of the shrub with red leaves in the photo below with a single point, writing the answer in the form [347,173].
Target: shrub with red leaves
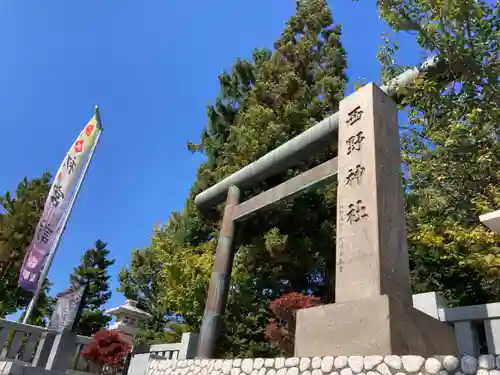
[107,350]
[281,329]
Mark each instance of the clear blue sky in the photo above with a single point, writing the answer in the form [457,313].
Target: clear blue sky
[152,67]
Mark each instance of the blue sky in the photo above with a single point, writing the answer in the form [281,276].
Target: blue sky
[152,67]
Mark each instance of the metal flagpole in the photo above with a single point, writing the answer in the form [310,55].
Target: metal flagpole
[50,257]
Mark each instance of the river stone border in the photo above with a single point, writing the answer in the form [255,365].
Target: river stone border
[369,365]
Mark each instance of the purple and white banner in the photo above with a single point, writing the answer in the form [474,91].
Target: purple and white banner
[56,207]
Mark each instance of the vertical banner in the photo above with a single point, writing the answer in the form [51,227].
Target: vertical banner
[56,206]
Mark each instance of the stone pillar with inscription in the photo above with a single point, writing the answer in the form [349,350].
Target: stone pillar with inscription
[65,318]
[373,312]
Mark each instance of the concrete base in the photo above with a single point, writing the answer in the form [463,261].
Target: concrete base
[380,325]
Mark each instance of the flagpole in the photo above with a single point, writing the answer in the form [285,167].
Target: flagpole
[50,257]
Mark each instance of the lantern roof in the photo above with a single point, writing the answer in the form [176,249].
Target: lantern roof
[129,308]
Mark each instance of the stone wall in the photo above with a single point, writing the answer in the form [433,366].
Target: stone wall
[370,365]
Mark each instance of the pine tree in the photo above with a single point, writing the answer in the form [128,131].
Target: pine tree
[94,272]
[19,216]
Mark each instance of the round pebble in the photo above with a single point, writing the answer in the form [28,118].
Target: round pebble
[218,364]
[340,362]
[327,364]
[292,361]
[258,363]
[355,363]
[269,362]
[433,366]
[247,365]
[412,363]
[279,363]
[372,360]
[304,364]
[450,363]
[316,362]
[468,364]
[384,369]
[227,366]
[486,361]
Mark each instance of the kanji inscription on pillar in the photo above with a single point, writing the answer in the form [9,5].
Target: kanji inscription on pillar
[354,174]
[354,142]
[354,115]
[371,254]
[356,212]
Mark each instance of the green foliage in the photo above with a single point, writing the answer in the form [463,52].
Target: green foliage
[140,283]
[450,149]
[93,270]
[262,103]
[19,216]
[451,146]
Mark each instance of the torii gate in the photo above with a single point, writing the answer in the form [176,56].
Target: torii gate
[372,271]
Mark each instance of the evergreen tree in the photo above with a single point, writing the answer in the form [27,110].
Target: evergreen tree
[94,272]
[19,216]
[450,148]
[289,248]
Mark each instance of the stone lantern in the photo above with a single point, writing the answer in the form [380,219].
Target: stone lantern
[127,317]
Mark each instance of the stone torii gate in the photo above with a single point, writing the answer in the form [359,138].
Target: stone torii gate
[373,311]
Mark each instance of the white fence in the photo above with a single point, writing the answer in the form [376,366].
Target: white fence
[79,363]
[29,345]
[40,347]
[477,327]
[180,350]
[23,342]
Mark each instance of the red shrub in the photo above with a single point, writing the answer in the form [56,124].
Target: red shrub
[281,329]
[108,350]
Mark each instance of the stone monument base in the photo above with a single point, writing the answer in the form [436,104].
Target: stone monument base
[380,325]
